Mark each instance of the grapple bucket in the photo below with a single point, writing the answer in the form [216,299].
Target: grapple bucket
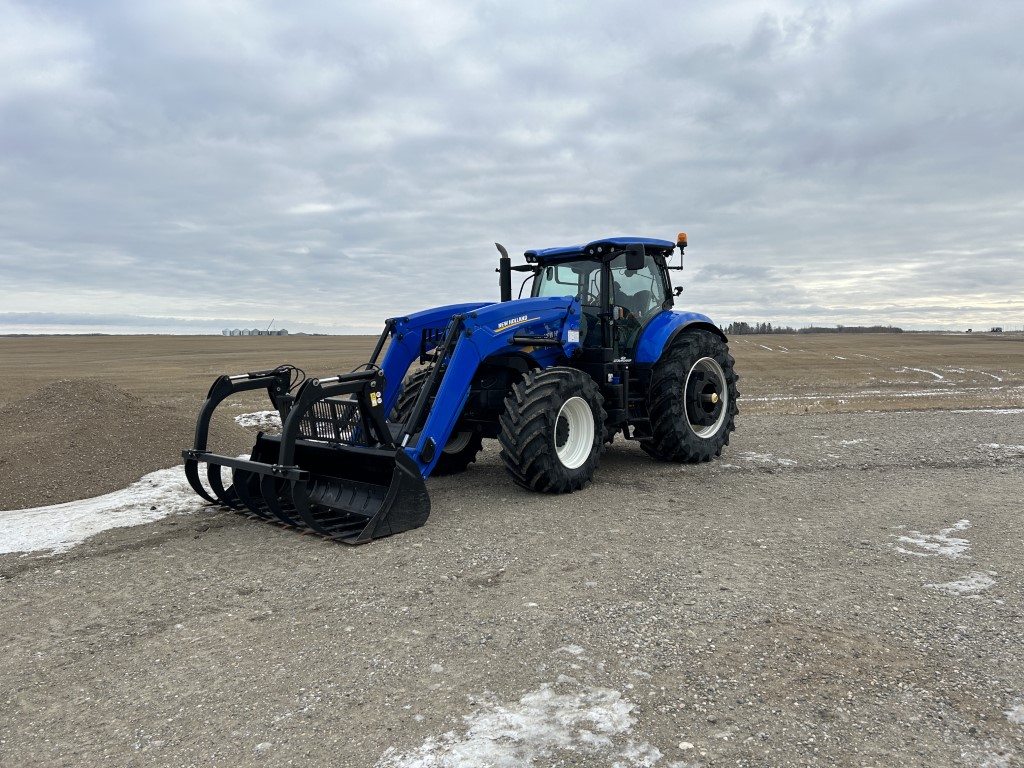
[334,470]
[340,492]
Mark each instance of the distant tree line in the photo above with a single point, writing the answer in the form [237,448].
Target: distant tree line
[740,328]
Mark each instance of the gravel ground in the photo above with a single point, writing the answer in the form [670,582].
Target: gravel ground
[754,611]
[840,588]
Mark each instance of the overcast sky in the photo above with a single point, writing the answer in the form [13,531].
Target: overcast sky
[328,164]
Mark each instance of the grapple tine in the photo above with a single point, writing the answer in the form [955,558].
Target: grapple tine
[227,496]
[192,475]
[246,485]
[271,489]
[301,499]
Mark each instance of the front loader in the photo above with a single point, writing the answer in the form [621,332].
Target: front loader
[596,350]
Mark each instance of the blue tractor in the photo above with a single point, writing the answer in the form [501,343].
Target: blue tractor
[597,350]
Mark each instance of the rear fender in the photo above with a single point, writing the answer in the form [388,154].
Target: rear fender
[663,329]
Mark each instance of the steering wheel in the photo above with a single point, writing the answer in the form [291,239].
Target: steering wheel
[590,299]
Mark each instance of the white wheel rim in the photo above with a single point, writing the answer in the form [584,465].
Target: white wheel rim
[579,442]
[716,383]
[457,442]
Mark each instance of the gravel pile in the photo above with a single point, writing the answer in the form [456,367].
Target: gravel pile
[77,438]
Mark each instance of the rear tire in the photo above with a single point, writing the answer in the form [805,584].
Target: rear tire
[692,401]
[462,447]
[552,430]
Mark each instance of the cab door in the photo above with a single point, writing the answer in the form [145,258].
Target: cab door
[637,296]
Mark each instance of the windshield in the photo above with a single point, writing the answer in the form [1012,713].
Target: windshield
[570,278]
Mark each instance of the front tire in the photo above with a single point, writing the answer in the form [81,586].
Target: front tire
[552,430]
[692,400]
[462,447]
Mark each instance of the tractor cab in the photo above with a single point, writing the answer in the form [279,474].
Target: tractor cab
[622,283]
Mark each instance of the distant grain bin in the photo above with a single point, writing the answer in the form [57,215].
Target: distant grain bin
[254,332]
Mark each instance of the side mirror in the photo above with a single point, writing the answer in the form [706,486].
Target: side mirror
[635,257]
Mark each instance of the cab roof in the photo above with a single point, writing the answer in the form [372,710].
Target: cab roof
[593,248]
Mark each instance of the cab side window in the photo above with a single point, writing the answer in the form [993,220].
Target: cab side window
[642,292]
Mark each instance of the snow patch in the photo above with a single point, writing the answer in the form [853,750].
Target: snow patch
[989,755]
[973,370]
[572,650]
[765,458]
[872,393]
[972,583]
[532,731]
[59,527]
[1000,411]
[260,420]
[941,543]
[1015,715]
[1005,450]
[938,376]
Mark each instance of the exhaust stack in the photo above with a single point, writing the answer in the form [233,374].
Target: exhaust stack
[504,273]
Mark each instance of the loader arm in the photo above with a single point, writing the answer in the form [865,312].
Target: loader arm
[338,468]
[455,344]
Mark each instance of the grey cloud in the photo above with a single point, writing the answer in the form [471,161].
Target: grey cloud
[832,161]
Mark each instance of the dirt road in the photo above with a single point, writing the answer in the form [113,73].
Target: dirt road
[843,587]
